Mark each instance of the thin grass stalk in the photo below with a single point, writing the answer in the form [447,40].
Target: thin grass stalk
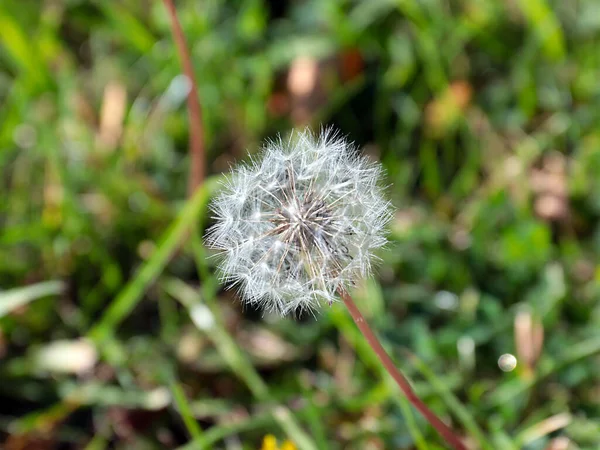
[197,168]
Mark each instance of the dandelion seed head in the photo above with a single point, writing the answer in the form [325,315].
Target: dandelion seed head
[300,222]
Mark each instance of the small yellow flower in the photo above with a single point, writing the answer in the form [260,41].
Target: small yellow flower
[288,445]
[270,443]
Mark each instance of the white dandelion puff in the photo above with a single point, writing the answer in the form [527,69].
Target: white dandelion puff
[300,223]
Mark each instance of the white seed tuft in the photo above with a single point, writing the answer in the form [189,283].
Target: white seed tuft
[300,223]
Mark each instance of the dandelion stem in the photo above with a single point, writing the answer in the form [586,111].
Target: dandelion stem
[194,111]
[400,379]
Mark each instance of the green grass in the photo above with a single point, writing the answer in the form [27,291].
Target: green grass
[486,117]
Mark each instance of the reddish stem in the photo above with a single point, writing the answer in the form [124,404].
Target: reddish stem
[400,379]
[194,111]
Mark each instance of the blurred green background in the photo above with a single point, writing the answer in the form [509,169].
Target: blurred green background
[114,332]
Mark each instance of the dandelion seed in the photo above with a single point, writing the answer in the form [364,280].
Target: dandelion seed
[300,223]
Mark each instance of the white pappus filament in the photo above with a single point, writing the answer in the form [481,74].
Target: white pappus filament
[300,222]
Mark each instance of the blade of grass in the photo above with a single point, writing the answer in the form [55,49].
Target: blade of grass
[46,419]
[15,298]
[210,284]
[128,26]
[100,394]
[194,110]
[315,422]
[22,50]
[185,411]
[543,428]
[547,27]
